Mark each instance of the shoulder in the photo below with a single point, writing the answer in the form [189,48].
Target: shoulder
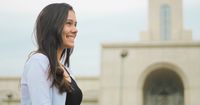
[38,59]
[37,64]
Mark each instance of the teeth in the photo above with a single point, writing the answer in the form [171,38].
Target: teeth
[70,37]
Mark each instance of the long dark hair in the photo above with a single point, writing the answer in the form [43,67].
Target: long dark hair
[48,30]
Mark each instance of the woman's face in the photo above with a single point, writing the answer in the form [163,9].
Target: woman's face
[69,30]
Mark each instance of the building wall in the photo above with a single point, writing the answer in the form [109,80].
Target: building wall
[141,56]
[90,89]
[9,91]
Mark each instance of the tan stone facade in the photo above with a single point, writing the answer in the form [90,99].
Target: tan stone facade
[161,69]
[124,78]
[9,91]
[90,87]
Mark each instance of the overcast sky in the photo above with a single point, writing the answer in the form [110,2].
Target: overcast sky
[99,21]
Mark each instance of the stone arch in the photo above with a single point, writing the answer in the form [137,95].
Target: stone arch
[158,66]
[163,87]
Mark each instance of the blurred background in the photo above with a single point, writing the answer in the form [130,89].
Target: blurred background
[112,34]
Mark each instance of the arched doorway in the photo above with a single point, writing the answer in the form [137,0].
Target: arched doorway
[163,87]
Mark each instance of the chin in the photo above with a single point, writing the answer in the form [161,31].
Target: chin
[70,46]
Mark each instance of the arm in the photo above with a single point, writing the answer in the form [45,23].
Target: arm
[38,85]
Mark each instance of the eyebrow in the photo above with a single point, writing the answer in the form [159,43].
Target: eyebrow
[71,20]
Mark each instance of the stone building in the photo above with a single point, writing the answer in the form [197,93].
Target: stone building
[163,68]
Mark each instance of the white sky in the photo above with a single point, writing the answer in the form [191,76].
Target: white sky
[98,21]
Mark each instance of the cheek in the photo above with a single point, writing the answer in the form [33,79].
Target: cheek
[66,29]
[64,33]
[64,39]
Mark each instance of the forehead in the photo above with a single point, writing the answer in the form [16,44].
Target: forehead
[71,15]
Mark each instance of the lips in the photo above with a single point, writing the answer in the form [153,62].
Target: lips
[70,37]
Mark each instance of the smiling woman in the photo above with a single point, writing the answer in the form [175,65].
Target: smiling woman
[46,78]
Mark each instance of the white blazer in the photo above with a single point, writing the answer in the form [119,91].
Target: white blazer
[35,87]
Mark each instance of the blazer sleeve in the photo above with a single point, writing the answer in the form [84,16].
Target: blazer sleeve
[38,83]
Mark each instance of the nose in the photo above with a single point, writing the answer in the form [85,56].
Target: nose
[75,30]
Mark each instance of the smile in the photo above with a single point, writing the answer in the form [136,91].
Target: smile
[71,37]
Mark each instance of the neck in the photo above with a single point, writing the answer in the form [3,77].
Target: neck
[59,52]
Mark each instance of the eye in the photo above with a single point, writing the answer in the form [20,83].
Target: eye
[75,24]
[68,23]
[71,23]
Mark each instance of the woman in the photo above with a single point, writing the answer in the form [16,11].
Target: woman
[46,79]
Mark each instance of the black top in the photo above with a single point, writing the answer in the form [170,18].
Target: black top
[74,97]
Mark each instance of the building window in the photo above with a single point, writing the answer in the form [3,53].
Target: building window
[165,14]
